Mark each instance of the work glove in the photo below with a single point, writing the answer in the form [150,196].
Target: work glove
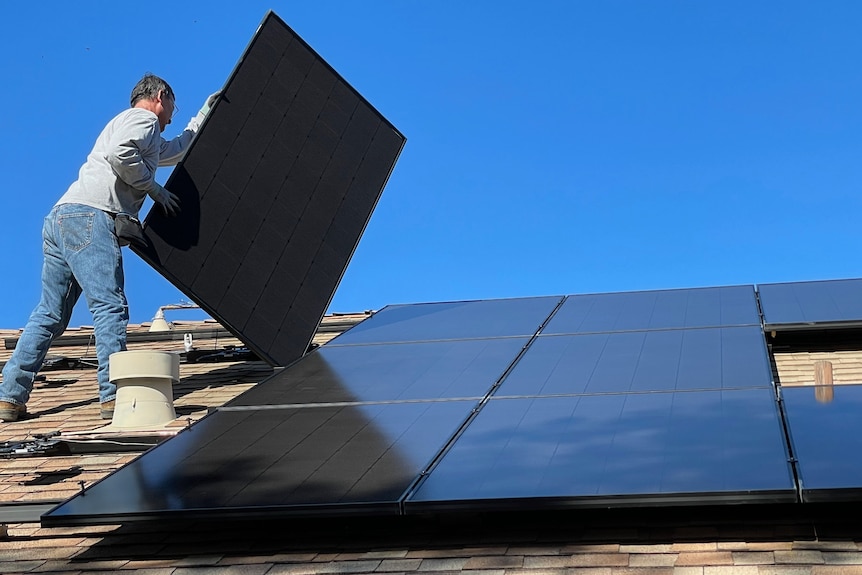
[211,100]
[168,201]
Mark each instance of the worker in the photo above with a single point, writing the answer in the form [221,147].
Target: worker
[80,245]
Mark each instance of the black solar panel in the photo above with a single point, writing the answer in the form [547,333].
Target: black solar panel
[410,371]
[453,320]
[276,191]
[662,360]
[826,436]
[818,304]
[685,308]
[328,459]
[615,449]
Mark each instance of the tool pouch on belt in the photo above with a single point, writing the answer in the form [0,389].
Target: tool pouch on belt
[128,230]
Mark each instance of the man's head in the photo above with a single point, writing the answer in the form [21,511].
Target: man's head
[154,94]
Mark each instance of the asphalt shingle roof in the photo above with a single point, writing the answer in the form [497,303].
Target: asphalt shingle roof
[761,541]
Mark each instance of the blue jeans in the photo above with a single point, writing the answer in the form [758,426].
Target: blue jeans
[81,255]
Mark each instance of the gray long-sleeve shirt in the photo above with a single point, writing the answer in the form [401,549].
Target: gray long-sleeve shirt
[121,169]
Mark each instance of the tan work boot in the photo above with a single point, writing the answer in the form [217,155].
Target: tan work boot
[106,409]
[11,411]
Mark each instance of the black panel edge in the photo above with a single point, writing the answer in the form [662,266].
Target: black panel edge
[605,501]
[415,508]
[837,495]
[779,327]
[639,526]
[377,508]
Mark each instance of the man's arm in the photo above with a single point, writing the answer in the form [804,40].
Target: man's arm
[132,142]
[129,145]
[172,151]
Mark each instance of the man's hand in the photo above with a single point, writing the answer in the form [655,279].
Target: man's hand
[211,100]
[168,201]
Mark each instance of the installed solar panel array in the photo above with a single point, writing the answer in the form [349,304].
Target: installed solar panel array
[276,192]
[533,402]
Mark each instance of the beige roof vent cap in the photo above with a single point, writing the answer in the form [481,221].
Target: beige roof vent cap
[144,388]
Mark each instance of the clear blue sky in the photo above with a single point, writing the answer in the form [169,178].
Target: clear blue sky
[553,147]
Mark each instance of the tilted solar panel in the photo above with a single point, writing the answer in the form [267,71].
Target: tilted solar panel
[276,192]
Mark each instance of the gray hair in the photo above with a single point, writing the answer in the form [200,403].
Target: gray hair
[148,88]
